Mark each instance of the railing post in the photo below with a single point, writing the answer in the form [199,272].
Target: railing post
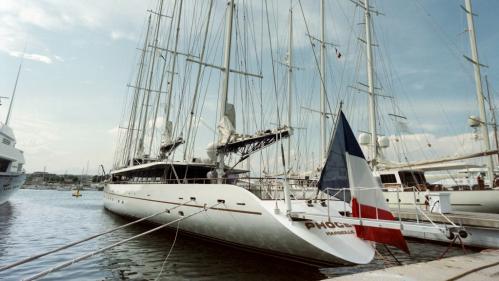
[398,204]
[360,213]
[328,202]
[344,203]
[377,215]
[415,204]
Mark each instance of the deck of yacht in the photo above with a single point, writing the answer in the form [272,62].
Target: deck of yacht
[483,227]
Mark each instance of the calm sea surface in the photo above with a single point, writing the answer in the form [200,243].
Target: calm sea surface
[35,221]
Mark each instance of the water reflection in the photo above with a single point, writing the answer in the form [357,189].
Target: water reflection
[193,259]
[37,221]
[6,220]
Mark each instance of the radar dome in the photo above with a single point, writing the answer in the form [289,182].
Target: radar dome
[364,139]
[474,121]
[384,142]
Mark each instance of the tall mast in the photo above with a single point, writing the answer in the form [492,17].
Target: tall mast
[225,84]
[479,90]
[172,71]
[158,99]
[492,111]
[323,85]
[198,80]
[13,93]
[135,104]
[370,82]
[290,76]
[149,84]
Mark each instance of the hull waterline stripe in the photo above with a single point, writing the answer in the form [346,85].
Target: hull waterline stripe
[188,205]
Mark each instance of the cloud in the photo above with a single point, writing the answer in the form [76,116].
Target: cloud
[418,147]
[34,57]
[119,35]
[114,131]
[24,21]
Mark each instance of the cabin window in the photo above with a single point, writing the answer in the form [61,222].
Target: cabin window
[412,178]
[4,165]
[6,141]
[388,178]
[19,167]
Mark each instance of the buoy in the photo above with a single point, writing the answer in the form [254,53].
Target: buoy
[77,193]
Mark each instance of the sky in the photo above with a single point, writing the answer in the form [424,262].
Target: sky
[80,55]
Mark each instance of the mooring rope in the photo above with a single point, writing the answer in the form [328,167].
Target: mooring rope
[169,252]
[28,259]
[80,258]
[473,270]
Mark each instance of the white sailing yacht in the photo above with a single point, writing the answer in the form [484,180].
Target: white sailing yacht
[263,214]
[12,175]
[405,183]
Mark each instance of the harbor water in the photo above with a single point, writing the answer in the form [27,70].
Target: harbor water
[35,221]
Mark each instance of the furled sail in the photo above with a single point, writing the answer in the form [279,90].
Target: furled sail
[168,144]
[346,167]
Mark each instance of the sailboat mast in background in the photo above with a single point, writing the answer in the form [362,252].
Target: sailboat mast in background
[370,83]
[13,93]
[479,90]
[323,86]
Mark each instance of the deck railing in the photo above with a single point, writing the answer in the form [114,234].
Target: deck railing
[262,187]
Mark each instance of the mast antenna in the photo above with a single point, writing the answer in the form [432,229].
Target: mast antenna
[14,91]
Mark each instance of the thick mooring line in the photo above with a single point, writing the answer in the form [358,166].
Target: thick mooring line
[37,256]
[80,258]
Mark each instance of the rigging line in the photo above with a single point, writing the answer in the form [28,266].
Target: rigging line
[128,142]
[198,80]
[315,55]
[188,72]
[37,256]
[169,252]
[163,75]
[140,76]
[91,254]
[200,107]
[274,82]
[153,57]
[119,153]
[457,52]
[341,85]
[273,66]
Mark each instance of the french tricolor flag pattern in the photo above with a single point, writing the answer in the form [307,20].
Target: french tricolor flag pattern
[346,167]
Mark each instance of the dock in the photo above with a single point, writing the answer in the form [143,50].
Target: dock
[482,227]
[482,266]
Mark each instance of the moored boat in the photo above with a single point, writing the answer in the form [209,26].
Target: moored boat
[12,174]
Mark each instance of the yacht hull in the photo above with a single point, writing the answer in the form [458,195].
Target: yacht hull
[242,219]
[9,184]
[481,201]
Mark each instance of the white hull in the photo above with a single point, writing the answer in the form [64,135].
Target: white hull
[243,220]
[9,184]
[482,201]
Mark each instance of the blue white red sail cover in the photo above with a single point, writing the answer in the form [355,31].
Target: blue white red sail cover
[346,167]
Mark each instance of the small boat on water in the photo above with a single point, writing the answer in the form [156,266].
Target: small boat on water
[12,174]
[76,193]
